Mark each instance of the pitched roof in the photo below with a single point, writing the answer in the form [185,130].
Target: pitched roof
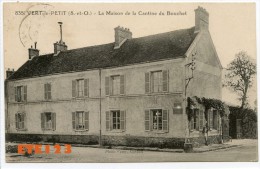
[169,45]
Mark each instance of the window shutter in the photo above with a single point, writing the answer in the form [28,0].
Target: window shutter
[147,82]
[42,120]
[24,121]
[15,94]
[218,121]
[197,118]
[147,120]
[24,93]
[122,84]
[210,119]
[107,120]
[73,120]
[192,123]
[73,88]
[49,90]
[45,91]
[165,120]
[122,120]
[165,80]
[107,85]
[86,120]
[201,119]
[86,87]
[151,121]
[53,120]
[16,120]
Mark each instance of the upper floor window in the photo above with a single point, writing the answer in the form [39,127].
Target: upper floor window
[115,85]
[156,81]
[47,91]
[80,88]
[20,93]
[48,121]
[20,121]
[80,120]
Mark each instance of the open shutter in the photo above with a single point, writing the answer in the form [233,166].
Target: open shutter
[147,120]
[49,90]
[86,87]
[197,118]
[218,121]
[192,123]
[74,120]
[122,84]
[147,82]
[122,120]
[16,120]
[24,121]
[24,93]
[201,119]
[165,120]
[15,94]
[107,120]
[165,80]
[210,119]
[151,121]
[73,88]
[86,120]
[42,121]
[53,120]
[45,91]
[107,86]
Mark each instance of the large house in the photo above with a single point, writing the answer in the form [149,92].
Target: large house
[132,91]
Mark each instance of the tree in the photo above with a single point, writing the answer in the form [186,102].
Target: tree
[240,75]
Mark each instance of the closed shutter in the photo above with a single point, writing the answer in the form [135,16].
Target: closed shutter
[165,120]
[86,120]
[42,121]
[74,120]
[107,120]
[147,120]
[73,88]
[201,119]
[45,92]
[107,86]
[122,120]
[86,87]
[165,80]
[122,84]
[53,119]
[24,93]
[16,120]
[15,94]
[147,82]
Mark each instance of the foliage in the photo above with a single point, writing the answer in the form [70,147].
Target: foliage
[248,122]
[239,76]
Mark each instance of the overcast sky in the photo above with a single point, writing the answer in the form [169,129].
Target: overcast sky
[232,27]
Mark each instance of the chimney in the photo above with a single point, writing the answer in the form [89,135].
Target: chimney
[9,73]
[121,35]
[60,46]
[201,19]
[33,51]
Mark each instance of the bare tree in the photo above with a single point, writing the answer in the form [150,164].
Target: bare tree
[240,74]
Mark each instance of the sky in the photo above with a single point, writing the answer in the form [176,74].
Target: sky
[232,27]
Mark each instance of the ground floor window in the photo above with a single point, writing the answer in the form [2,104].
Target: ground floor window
[213,119]
[115,120]
[80,120]
[198,119]
[48,121]
[156,120]
[20,120]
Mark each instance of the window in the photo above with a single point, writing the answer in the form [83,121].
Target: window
[48,121]
[115,85]
[20,121]
[115,80]
[80,88]
[20,93]
[198,120]
[156,81]
[156,120]
[115,120]
[47,91]
[213,119]
[80,120]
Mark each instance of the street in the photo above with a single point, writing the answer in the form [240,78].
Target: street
[245,152]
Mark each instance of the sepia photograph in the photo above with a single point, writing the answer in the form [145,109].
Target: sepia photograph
[129,82]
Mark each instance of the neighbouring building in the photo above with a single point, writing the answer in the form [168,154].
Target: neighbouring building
[129,92]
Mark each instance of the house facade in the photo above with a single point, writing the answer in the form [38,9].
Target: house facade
[130,92]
